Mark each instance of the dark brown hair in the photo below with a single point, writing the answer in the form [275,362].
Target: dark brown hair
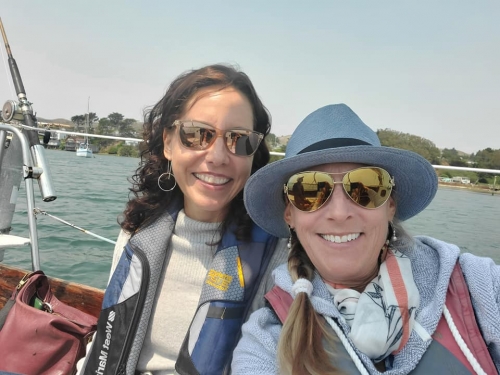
[149,201]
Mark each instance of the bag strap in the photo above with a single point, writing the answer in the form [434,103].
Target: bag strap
[280,301]
[459,304]
[5,311]
[12,300]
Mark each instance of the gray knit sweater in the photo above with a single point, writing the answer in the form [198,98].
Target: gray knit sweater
[432,263]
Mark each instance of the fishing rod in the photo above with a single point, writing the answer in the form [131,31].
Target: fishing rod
[22,111]
[37,211]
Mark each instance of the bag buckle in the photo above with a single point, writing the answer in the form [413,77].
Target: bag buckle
[23,281]
[47,307]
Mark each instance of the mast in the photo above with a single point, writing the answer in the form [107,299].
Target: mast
[88,122]
[22,111]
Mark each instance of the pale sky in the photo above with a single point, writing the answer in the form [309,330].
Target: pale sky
[429,68]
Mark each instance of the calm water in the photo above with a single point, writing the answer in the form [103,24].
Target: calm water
[93,192]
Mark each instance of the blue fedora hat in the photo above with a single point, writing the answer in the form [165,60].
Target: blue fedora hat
[335,134]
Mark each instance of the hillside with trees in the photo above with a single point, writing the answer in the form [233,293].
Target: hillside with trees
[487,158]
[421,146]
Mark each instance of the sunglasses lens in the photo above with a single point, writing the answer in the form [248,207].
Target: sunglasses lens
[199,136]
[243,143]
[308,191]
[368,187]
[195,135]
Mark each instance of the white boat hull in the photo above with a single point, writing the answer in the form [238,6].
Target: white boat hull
[86,153]
[84,150]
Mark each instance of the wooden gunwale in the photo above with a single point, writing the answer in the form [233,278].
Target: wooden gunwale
[82,297]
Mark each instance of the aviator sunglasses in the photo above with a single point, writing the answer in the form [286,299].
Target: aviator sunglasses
[199,136]
[368,187]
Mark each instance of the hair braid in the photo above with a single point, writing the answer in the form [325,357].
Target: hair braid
[300,348]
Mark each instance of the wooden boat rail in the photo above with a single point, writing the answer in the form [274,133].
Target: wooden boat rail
[82,297]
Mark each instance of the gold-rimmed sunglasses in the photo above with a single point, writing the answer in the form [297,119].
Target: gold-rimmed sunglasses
[368,187]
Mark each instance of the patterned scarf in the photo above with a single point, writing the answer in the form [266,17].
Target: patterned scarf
[383,316]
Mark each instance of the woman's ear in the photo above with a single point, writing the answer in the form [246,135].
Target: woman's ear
[167,143]
[287,215]
[391,208]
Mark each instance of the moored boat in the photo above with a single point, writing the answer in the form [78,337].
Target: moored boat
[84,150]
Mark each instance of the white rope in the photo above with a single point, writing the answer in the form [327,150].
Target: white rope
[461,343]
[454,331]
[359,365]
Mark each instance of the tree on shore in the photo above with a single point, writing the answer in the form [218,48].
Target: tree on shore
[410,142]
[80,122]
[115,124]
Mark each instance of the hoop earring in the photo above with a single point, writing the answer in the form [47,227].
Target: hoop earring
[169,175]
[394,238]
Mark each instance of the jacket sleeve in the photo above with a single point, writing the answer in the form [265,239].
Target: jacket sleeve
[257,348]
[483,279]
[279,256]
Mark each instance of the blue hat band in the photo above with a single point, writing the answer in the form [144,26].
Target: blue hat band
[334,143]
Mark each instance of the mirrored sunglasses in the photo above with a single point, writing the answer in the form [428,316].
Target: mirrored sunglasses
[368,187]
[198,136]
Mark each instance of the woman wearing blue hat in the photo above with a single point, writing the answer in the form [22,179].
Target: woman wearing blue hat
[358,294]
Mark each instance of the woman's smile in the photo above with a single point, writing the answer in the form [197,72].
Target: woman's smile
[212,179]
[340,239]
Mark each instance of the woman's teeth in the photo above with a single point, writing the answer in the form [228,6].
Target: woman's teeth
[340,239]
[214,180]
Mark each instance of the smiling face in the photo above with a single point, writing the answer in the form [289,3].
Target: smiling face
[342,239]
[211,178]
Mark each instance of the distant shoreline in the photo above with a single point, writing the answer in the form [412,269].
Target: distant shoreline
[474,188]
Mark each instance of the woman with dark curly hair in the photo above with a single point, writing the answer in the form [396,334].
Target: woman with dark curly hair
[188,247]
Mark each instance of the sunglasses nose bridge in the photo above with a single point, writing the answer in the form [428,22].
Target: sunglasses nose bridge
[332,191]
[214,135]
[217,153]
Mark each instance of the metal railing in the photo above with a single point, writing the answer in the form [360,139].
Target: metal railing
[469,169]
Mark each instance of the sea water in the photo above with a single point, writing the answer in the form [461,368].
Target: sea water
[92,192]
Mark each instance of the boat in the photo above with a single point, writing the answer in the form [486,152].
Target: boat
[84,148]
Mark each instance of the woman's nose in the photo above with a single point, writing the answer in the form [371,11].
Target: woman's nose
[218,153]
[339,205]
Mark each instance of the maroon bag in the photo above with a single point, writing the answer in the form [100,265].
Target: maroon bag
[46,339]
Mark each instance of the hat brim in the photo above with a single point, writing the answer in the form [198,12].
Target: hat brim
[414,177]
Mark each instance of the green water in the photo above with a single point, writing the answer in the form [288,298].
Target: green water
[93,192]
